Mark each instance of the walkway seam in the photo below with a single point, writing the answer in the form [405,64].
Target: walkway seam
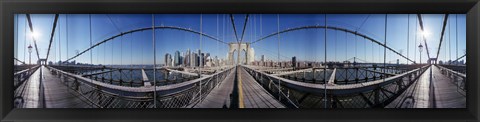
[240,91]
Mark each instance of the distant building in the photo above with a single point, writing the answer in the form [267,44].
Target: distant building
[168,60]
[294,62]
[177,58]
[187,58]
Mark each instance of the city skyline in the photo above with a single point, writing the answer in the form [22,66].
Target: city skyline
[306,45]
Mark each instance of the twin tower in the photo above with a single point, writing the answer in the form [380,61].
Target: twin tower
[245,53]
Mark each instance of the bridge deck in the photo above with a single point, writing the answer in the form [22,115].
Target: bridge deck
[441,94]
[219,97]
[55,94]
[27,94]
[253,94]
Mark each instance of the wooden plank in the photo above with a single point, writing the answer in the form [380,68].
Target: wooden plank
[255,96]
[219,97]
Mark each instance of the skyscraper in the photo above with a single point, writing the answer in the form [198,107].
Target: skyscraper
[197,60]
[202,59]
[166,59]
[187,58]
[177,58]
[199,63]
[193,58]
[294,62]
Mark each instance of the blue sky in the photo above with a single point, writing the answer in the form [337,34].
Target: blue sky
[137,48]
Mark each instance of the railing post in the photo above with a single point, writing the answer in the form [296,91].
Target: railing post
[366,76]
[76,84]
[356,74]
[377,96]
[314,79]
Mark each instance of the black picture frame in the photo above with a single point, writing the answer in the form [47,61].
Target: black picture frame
[10,7]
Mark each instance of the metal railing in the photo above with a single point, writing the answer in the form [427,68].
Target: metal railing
[343,75]
[378,93]
[21,76]
[459,78]
[104,95]
[132,77]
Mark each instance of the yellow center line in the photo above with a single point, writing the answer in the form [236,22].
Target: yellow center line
[240,92]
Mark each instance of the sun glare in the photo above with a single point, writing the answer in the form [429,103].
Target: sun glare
[425,33]
[35,35]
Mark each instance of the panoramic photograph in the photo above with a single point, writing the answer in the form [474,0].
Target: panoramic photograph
[230,61]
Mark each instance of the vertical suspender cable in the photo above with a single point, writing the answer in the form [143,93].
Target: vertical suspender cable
[416,37]
[90,22]
[214,60]
[223,29]
[365,49]
[60,42]
[355,46]
[131,57]
[66,34]
[373,57]
[154,63]
[408,35]
[456,35]
[201,62]
[121,54]
[384,48]
[336,31]
[449,40]
[278,56]
[90,28]
[16,38]
[325,66]
[25,43]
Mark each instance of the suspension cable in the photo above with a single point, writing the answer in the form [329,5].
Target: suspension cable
[115,25]
[244,27]
[32,32]
[234,28]
[445,22]
[363,22]
[52,35]
[423,36]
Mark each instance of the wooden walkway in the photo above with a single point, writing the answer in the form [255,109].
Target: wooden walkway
[441,93]
[57,95]
[27,95]
[54,93]
[252,94]
[219,97]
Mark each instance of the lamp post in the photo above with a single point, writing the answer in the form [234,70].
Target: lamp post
[30,54]
[420,50]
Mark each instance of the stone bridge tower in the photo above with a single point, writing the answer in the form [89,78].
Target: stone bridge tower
[245,55]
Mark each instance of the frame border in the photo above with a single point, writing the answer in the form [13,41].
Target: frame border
[10,7]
